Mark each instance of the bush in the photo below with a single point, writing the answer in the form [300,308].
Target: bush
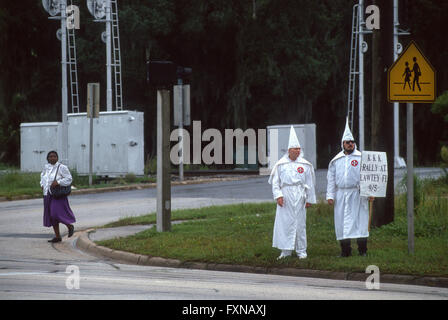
[431,209]
[440,106]
[418,188]
[83,180]
[130,178]
[150,166]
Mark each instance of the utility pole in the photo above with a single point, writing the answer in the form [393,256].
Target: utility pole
[64,82]
[382,119]
[398,161]
[108,56]
[163,161]
[54,8]
[361,74]
[103,9]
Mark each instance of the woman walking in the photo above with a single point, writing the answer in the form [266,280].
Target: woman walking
[56,210]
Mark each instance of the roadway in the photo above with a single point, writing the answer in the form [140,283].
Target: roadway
[31,268]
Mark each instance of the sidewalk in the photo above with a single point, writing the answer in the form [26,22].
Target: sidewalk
[86,242]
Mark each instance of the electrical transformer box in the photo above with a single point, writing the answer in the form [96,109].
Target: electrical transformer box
[278,138]
[118,143]
[36,140]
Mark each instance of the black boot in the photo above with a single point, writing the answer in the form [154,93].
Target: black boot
[362,246]
[346,249]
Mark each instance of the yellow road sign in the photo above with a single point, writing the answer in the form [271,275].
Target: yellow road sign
[411,78]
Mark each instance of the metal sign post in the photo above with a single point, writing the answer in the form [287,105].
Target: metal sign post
[410,174]
[163,161]
[181,127]
[93,108]
[162,75]
[411,79]
[181,103]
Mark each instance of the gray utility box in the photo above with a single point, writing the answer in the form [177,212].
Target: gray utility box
[306,133]
[36,140]
[118,143]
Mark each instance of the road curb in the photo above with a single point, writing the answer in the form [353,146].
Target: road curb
[84,243]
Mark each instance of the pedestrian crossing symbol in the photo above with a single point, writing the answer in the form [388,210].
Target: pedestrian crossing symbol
[411,78]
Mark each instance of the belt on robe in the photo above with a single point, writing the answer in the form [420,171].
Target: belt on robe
[296,185]
[347,188]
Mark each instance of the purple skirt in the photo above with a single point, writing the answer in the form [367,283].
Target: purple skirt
[57,211]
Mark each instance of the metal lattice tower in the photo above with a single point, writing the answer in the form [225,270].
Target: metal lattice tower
[106,11]
[116,63]
[353,66]
[73,69]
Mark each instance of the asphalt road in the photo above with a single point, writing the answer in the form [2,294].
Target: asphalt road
[31,268]
[44,279]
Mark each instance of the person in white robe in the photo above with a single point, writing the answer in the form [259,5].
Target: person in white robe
[292,179]
[351,211]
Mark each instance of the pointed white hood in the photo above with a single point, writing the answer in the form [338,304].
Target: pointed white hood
[347,136]
[293,143]
[293,140]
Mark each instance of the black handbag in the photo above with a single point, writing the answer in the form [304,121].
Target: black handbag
[60,191]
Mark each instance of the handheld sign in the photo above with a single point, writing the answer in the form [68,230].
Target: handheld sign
[373,182]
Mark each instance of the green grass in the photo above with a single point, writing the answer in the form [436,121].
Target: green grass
[242,234]
[14,183]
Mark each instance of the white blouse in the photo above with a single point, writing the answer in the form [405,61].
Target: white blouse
[64,177]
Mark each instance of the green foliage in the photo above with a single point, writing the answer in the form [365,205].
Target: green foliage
[444,154]
[418,189]
[130,178]
[431,220]
[283,63]
[15,183]
[150,166]
[430,208]
[82,180]
[440,106]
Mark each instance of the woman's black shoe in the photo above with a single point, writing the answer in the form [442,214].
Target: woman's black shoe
[55,240]
[71,229]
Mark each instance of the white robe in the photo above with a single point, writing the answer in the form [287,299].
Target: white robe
[294,181]
[351,211]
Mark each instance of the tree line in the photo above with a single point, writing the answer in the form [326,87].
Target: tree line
[255,63]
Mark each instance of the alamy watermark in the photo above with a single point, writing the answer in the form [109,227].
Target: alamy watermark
[235,148]
[373,281]
[72,12]
[73,280]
